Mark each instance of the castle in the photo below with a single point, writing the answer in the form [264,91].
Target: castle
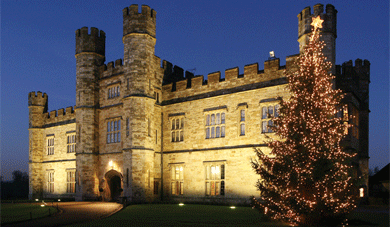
[144,130]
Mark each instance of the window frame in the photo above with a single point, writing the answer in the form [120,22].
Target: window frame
[177,179]
[71,143]
[177,125]
[215,183]
[50,144]
[113,131]
[71,181]
[215,124]
[268,112]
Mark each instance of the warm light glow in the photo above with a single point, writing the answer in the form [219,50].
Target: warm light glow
[110,163]
[59,200]
[181,204]
[232,207]
[361,190]
[36,200]
[42,205]
[317,22]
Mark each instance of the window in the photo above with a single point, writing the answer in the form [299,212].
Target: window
[71,143]
[177,129]
[268,112]
[215,179]
[242,123]
[50,146]
[354,121]
[215,125]
[70,181]
[177,184]
[114,131]
[127,126]
[50,182]
[113,92]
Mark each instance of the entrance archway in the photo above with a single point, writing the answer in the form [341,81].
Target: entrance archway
[114,185]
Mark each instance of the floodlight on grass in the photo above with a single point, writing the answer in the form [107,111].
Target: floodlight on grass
[181,204]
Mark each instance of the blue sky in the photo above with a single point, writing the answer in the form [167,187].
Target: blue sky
[38,47]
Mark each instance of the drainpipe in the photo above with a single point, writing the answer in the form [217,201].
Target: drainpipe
[162,167]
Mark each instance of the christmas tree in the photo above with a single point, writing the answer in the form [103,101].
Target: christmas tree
[306,179]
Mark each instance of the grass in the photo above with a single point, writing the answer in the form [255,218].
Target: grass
[208,215]
[11,213]
[187,215]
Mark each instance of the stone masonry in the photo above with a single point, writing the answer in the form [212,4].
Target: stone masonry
[146,131]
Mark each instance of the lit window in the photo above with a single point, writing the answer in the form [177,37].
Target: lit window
[215,179]
[177,129]
[71,143]
[114,131]
[215,125]
[50,146]
[70,181]
[50,182]
[177,182]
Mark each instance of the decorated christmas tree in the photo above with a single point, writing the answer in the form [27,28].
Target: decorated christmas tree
[306,179]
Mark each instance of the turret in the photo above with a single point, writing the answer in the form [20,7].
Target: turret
[139,39]
[37,106]
[328,32]
[141,65]
[90,55]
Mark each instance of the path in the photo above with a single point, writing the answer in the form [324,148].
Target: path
[74,212]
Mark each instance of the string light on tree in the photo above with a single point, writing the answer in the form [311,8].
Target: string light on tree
[307,181]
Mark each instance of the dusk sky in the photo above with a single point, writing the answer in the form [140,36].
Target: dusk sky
[38,48]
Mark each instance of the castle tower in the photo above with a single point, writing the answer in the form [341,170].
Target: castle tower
[328,32]
[90,54]
[37,106]
[139,39]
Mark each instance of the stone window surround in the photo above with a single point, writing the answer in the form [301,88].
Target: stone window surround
[71,142]
[219,125]
[172,125]
[112,135]
[50,180]
[50,138]
[242,117]
[71,181]
[217,180]
[177,178]
[265,116]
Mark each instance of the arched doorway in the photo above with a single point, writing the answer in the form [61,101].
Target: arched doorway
[114,185]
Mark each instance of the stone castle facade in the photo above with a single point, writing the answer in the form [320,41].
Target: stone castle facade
[147,132]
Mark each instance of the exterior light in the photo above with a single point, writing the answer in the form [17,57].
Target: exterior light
[110,164]
[42,205]
[271,54]
[181,204]
[232,207]
[59,200]
[361,190]
[36,200]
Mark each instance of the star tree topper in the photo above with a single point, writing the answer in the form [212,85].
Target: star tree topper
[317,23]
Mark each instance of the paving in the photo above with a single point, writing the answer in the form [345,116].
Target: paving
[74,212]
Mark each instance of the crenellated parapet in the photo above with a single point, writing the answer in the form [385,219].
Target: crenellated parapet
[93,42]
[141,23]
[329,16]
[112,68]
[354,79]
[61,116]
[38,99]
[273,74]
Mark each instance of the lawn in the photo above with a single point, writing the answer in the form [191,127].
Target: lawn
[187,215]
[24,211]
[209,215]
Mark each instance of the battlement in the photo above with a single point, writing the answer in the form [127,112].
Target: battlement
[38,99]
[329,17]
[190,85]
[112,68]
[94,42]
[135,22]
[348,75]
[61,115]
